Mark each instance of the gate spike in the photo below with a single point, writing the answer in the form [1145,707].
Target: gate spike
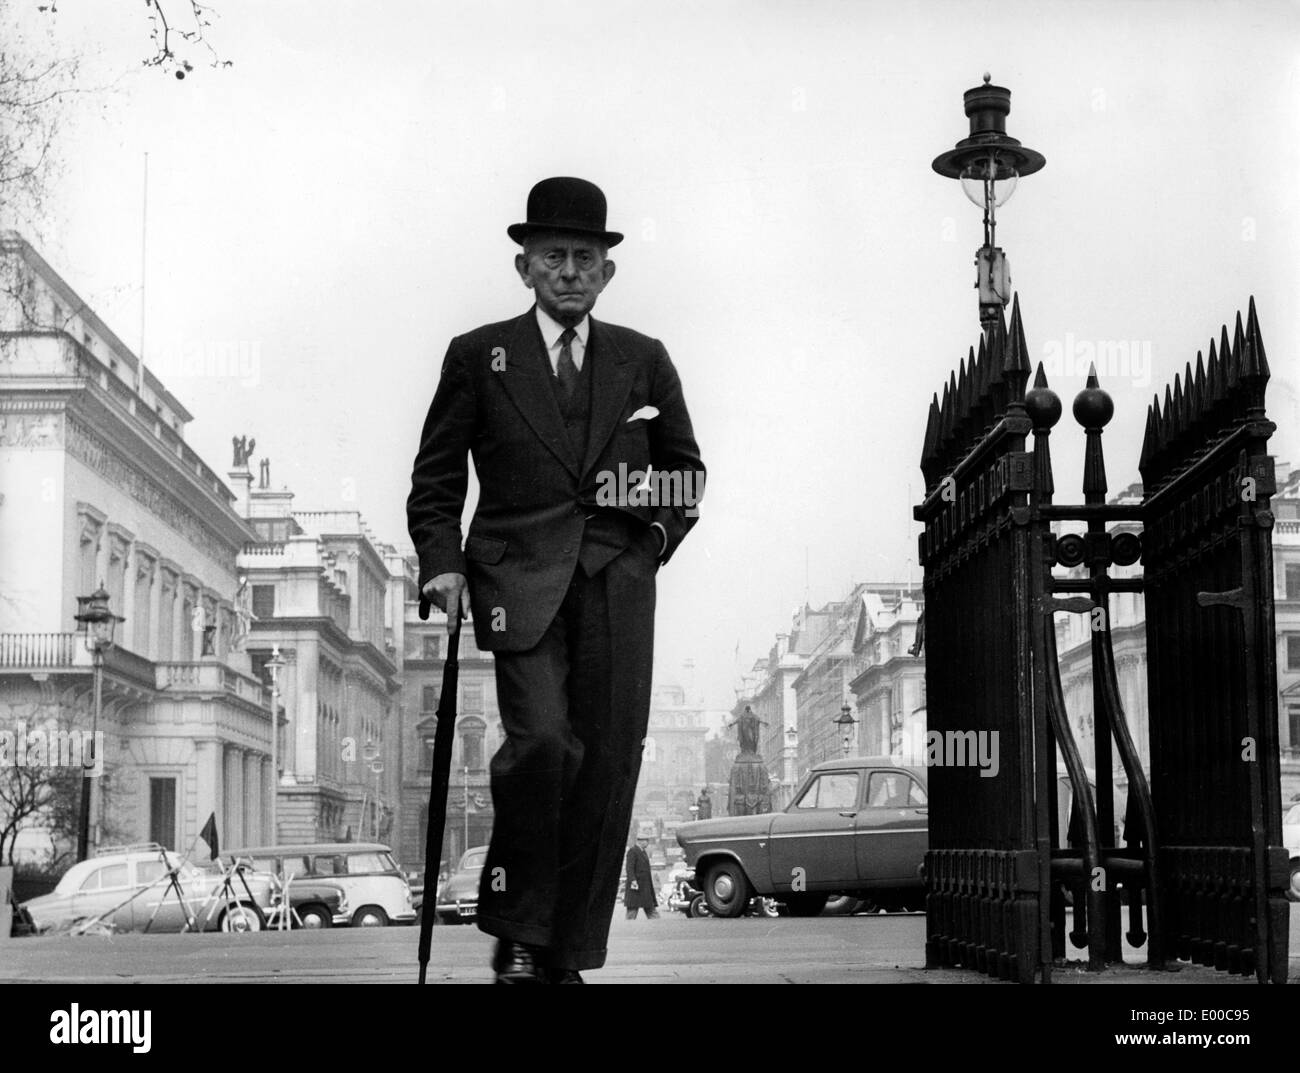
[1202,405]
[1231,361]
[997,346]
[945,415]
[1177,424]
[931,432]
[963,388]
[1149,441]
[1256,362]
[1190,399]
[1166,420]
[1015,367]
[1214,378]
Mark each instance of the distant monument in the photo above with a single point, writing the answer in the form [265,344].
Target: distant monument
[750,790]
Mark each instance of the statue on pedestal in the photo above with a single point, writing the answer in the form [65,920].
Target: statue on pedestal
[750,790]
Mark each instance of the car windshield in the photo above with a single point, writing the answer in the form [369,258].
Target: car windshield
[474,859]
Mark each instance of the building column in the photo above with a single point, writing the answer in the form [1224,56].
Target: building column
[268,837]
[253,798]
[209,786]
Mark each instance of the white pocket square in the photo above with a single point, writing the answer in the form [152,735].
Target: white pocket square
[646,412]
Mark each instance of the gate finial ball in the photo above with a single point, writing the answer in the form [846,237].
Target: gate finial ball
[1042,404]
[1093,407]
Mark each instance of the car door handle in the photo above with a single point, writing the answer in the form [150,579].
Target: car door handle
[923,812]
[848,815]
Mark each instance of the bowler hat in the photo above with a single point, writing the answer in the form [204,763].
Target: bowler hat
[565,204]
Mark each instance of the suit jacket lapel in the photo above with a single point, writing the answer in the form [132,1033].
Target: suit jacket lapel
[527,380]
[612,370]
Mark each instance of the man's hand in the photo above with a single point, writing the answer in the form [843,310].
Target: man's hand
[633,885]
[450,592]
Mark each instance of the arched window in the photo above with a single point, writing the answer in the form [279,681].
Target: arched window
[471,743]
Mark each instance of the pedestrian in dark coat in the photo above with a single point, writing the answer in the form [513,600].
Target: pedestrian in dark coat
[640,891]
[589,476]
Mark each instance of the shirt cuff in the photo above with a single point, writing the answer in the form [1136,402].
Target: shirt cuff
[663,535]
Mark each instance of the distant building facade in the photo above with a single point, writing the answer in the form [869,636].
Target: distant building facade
[97,484]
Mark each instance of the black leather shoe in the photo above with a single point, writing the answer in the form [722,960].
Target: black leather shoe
[516,963]
[564,976]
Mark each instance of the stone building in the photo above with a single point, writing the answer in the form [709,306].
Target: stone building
[97,484]
[318,586]
[886,679]
[478,733]
[673,758]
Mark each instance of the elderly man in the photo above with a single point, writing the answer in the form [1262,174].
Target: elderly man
[588,476]
[639,889]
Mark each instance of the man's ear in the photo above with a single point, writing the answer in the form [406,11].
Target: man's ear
[521,266]
[607,271]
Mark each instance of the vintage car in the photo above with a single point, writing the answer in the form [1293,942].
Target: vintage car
[127,889]
[458,898]
[854,827]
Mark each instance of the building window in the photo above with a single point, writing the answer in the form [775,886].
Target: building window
[264,601]
[472,697]
[162,812]
[471,744]
[1293,581]
[429,699]
[1293,652]
[1293,723]
[433,648]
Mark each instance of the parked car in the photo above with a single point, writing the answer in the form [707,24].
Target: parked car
[316,903]
[366,872]
[1291,840]
[127,889]
[458,897]
[856,826]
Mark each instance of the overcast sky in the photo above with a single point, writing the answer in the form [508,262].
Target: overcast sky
[335,203]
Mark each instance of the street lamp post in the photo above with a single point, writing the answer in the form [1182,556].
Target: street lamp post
[370,754]
[988,163]
[275,664]
[98,625]
[466,845]
[845,722]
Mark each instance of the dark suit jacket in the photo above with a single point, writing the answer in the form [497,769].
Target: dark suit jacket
[495,400]
[638,869]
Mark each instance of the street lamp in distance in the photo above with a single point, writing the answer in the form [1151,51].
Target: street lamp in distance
[98,625]
[846,723]
[275,665]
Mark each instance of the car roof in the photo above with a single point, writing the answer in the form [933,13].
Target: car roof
[857,763]
[309,847]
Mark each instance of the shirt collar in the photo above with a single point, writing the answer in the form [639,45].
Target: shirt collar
[552,329]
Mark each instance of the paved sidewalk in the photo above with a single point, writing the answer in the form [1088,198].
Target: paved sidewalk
[862,949]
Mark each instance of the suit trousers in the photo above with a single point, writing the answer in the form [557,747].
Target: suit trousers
[574,709]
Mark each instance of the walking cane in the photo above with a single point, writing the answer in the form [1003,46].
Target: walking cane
[439,784]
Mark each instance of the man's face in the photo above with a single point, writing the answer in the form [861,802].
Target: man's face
[568,272]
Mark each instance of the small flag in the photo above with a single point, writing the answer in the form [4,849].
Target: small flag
[209,835]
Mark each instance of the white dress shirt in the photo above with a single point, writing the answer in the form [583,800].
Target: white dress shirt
[551,332]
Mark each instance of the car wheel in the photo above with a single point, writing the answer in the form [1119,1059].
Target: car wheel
[699,907]
[806,905]
[242,918]
[842,905]
[369,916]
[315,916]
[726,889]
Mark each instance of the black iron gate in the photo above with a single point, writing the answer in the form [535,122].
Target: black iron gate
[1201,872]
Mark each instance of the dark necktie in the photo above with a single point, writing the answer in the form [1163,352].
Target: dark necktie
[565,369]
